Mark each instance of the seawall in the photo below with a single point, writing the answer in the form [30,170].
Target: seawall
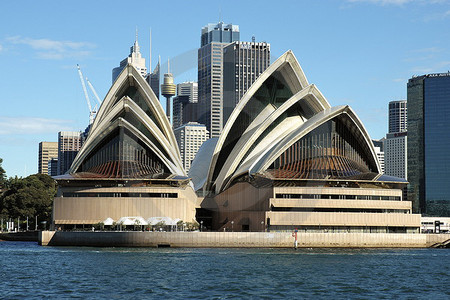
[238,239]
[26,236]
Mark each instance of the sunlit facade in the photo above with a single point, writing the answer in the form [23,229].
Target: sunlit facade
[286,159]
[129,165]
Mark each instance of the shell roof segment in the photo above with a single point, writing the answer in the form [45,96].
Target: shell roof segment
[131,135]
[277,111]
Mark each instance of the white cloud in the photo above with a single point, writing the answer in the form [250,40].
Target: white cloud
[397,2]
[31,125]
[437,16]
[428,50]
[51,49]
[383,2]
[439,67]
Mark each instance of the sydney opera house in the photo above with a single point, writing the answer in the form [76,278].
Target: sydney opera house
[288,160]
[129,164]
[285,160]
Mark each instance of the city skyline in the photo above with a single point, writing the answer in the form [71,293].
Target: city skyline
[362,55]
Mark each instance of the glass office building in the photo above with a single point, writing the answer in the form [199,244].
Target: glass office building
[429,143]
[214,38]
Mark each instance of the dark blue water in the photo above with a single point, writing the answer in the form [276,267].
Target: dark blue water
[30,271]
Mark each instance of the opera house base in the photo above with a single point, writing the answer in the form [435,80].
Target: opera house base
[312,206]
[239,239]
[86,202]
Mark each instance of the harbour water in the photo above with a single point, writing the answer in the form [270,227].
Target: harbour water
[31,271]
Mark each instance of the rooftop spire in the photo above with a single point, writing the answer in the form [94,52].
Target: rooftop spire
[136,44]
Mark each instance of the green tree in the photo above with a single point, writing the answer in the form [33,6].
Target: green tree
[28,197]
[2,176]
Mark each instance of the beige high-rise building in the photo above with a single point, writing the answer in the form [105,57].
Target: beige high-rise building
[135,59]
[47,151]
[190,138]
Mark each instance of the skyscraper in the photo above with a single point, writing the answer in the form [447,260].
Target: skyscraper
[379,150]
[395,145]
[185,104]
[210,73]
[190,137]
[429,143]
[190,89]
[395,158]
[135,59]
[47,151]
[53,167]
[398,113]
[69,143]
[243,62]
[153,79]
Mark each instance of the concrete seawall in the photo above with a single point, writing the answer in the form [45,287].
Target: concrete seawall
[238,239]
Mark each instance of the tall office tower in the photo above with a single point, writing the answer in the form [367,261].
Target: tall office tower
[395,158]
[210,73]
[429,143]
[190,89]
[379,151]
[53,167]
[47,151]
[395,145]
[135,59]
[243,62]
[185,104]
[153,79]
[190,137]
[69,143]
[398,114]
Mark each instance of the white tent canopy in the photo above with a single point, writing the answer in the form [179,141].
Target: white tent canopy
[132,221]
[167,221]
[108,222]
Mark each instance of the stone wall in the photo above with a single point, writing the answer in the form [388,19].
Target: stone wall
[238,239]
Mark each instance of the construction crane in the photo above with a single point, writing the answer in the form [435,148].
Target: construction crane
[92,110]
[93,91]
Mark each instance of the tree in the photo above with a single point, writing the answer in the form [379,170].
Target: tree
[28,197]
[2,176]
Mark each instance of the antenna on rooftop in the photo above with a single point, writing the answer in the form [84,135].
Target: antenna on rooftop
[150,59]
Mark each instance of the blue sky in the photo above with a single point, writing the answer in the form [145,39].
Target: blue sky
[357,52]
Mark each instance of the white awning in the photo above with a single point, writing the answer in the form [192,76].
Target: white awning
[108,221]
[132,221]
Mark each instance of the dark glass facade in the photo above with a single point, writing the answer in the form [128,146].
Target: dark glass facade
[243,62]
[184,111]
[220,32]
[429,144]
[398,112]
[153,80]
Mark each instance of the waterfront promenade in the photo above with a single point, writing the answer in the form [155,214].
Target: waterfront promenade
[238,239]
